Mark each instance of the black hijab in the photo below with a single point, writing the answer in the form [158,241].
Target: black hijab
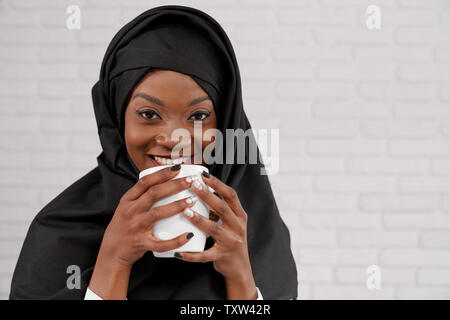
[69,230]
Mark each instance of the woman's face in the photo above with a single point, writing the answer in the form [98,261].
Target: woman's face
[162,102]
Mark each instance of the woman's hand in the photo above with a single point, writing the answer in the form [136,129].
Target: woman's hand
[229,253]
[129,234]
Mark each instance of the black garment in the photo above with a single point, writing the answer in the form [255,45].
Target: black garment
[69,230]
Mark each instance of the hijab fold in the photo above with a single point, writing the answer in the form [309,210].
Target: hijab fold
[68,231]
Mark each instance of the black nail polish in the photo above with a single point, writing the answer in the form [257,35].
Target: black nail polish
[178,255]
[206,174]
[189,235]
[175,167]
[218,195]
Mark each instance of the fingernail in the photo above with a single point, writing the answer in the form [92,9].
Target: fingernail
[178,255]
[189,179]
[189,235]
[206,174]
[218,195]
[197,185]
[191,200]
[175,167]
[188,212]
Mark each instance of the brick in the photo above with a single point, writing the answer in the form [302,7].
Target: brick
[392,129]
[388,276]
[315,274]
[381,91]
[345,183]
[350,35]
[429,147]
[340,221]
[72,53]
[40,71]
[325,128]
[442,53]
[424,184]
[433,277]
[36,36]
[344,147]
[337,256]
[435,239]
[352,292]
[319,202]
[356,71]
[289,164]
[378,53]
[367,239]
[356,3]
[302,51]
[418,4]
[421,110]
[420,35]
[21,212]
[314,238]
[415,257]
[423,72]
[422,293]
[349,110]
[10,248]
[322,17]
[18,195]
[13,231]
[417,221]
[387,165]
[398,203]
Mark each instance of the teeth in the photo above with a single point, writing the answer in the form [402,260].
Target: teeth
[171,161]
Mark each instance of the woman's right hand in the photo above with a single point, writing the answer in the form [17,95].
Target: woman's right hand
[129,234]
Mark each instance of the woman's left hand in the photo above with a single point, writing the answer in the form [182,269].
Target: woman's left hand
[229,253]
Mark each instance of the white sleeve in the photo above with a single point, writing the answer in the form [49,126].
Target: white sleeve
[90,295]
[260,297]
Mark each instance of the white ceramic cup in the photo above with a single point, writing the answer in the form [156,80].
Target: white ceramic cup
[177,224]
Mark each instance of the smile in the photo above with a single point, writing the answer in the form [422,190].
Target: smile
[167,160]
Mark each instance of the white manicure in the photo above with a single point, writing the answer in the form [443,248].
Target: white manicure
[188,212]
[191,200]
[197,185]
[189,179]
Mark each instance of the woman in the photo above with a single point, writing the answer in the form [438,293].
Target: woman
[168,68]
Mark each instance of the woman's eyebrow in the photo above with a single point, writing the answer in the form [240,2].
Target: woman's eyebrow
[162,104]
[198,100]
[149,98]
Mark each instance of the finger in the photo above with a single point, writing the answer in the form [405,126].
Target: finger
[150,180]
[211,228]
[228,193]
[211,254]
[159,191]
[153,243]
[168,210]
[220,206]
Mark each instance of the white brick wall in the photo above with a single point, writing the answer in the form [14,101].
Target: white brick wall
[363,116]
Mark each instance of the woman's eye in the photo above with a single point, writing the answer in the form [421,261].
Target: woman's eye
[200,116]
[148,114]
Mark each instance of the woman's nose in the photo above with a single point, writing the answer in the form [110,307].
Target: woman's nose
[170,141]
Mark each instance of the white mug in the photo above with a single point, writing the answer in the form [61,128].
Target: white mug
[177,224]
